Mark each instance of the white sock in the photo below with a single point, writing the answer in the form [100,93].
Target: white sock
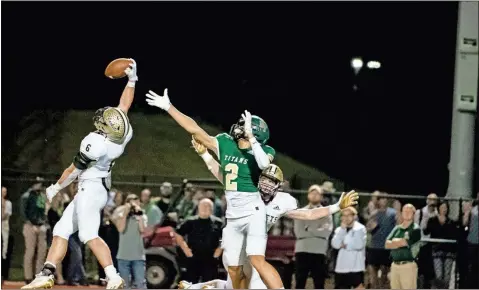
[110,272]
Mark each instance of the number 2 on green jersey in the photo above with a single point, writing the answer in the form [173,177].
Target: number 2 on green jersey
[232,174]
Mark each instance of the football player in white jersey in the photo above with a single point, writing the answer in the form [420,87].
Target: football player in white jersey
[92,165]
[278,204]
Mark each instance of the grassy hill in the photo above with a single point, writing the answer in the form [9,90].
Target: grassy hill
[160,147]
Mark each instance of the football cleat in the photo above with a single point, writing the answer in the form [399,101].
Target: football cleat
[184,284]
[115,283]
[41,281]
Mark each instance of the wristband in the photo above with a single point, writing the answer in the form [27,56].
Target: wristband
[334,208]
[131,84]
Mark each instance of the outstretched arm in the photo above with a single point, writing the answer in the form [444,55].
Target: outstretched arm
[163,102]
[346,200]
[211,163]
[129,92]
[310,214]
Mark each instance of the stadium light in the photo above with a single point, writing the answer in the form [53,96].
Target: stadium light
[357,63]
[373,64]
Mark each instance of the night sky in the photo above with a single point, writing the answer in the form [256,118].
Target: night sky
[287,62]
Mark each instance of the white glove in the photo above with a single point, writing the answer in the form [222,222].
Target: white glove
[247,124]
[162,102]
[52,190]
[131,71]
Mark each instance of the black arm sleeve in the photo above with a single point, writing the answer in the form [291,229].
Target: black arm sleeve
[81,161]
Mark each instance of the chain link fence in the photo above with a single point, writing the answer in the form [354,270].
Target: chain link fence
[18,183]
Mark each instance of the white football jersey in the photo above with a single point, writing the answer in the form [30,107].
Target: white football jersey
[104,153]
[275,209]
[279,206]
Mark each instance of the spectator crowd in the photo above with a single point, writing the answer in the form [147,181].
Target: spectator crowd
[380,246]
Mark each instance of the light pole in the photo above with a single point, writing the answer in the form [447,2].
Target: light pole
[464,109]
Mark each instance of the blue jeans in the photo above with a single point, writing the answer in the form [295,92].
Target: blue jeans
[76,271]
[136,269]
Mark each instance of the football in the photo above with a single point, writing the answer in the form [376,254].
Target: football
[116,68]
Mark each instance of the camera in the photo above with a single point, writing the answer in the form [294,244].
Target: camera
[135,211]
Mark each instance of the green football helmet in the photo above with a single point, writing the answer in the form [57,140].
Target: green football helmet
[259,126]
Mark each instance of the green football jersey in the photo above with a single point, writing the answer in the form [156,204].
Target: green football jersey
[239,167]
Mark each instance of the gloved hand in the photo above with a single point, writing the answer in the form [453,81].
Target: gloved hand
[51,191]
[199,148]
[348,199]
[248,129]
[162,102]
[131,71]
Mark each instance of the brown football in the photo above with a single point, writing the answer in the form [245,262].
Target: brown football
[116,68]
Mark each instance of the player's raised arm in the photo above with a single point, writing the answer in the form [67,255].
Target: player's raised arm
[346,200]
[262,159]
[190,125]
[129,92]
[211,163]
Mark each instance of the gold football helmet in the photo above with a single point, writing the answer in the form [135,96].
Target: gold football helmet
[113,122]
[269,182]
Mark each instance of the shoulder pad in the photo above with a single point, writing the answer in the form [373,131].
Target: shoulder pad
[93,146]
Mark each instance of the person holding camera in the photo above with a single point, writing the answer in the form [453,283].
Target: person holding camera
[130,221]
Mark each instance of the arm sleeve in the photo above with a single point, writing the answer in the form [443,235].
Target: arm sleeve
[261,157]
[359,240]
